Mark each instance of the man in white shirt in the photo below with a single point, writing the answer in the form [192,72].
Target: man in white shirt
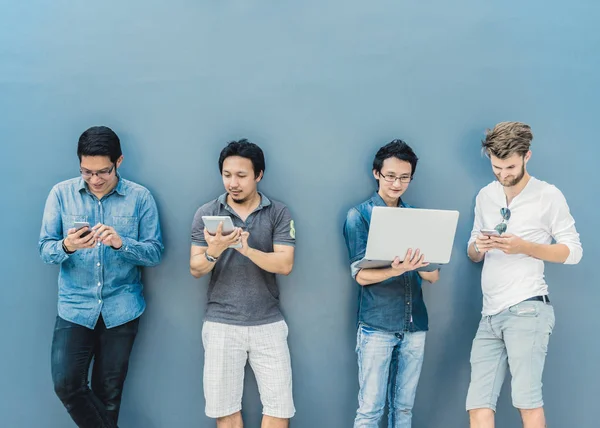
[520,222]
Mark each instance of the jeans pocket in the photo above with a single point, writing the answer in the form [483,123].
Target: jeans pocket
[525,309]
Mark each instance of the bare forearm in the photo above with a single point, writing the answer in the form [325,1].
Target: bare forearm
[200,266]
[474,255]
[554,253]
[431,277]
[279,263]
[373,276]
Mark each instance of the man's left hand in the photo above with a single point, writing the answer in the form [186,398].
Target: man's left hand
[510,244]
[107,235]
[244,240]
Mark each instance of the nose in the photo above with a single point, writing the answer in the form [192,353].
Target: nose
[94,179]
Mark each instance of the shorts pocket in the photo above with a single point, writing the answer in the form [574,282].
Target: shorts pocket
[525,309]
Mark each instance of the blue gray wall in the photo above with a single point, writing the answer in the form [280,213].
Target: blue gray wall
[320,86]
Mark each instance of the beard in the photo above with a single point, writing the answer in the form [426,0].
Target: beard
[238,200]
[514,181]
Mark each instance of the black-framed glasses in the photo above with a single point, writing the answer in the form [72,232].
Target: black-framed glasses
[103,173]
[501,227]
[391,178]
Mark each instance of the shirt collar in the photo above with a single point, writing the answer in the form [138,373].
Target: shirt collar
[119,188]
[264,201]
[379,202]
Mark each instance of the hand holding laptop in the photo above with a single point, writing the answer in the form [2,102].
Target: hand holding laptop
[412,261]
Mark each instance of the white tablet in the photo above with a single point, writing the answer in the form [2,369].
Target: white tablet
[211,222]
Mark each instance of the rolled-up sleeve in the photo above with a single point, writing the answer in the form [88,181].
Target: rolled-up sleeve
[562,227]
[356,232]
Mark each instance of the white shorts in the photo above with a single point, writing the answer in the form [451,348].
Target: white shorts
[226,350]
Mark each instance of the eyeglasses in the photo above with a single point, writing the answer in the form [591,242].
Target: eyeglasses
[103,173]
[391,178]
[501,227]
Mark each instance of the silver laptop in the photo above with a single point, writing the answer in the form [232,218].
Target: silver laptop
[394,230]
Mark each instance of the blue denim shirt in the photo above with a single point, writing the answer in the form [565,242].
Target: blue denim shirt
[101,280]
[396,304]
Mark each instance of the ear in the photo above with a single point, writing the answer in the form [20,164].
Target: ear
[376,174]
[119,161]
[260,176]
[527,156]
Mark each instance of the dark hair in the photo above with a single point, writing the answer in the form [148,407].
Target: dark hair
[244,149]
[99,141]
[395,149]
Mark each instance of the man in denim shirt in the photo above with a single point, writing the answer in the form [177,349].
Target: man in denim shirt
[392,318]
[100,295]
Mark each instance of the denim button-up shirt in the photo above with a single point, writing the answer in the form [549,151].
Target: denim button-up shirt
[396,304]
[101,280]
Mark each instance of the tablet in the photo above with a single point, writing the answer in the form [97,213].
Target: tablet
[211,222]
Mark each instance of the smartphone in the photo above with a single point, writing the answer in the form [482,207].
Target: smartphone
[211,222]
[80,224]
[489,232]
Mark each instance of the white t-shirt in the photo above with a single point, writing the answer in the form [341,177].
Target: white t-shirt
[538,214]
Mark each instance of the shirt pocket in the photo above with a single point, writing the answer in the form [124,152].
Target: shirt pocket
[68,222]
[126,226]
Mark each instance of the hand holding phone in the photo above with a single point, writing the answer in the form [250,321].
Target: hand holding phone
[489,232]
[79,237]
[80,225]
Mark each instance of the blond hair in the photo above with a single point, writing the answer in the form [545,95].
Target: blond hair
[506,139]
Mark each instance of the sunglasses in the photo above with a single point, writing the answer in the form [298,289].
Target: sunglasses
[501,227]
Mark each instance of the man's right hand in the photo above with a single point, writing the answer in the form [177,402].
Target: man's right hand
[218,242]
[412,261]
[484,244]
[74,241]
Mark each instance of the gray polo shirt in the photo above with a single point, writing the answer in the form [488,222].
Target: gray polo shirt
[240,292]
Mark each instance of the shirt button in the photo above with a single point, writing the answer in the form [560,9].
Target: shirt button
[99,301]
[99,284]
[99,203]
[98,264]
[408,303]
[98,243]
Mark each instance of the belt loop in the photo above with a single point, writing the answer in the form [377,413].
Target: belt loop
[545,298]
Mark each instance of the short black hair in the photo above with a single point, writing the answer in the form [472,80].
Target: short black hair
[99,141]
[395,149]
[244,149]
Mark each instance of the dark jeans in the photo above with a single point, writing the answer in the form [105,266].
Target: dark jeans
[73,347]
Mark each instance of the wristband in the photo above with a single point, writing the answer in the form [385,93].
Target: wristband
[64,247]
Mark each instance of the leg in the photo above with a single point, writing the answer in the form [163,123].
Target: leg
[533,418]
[269,358]
[72,351]
[231,421]
[374,349]
[488,370]
[111,361]
[404,377]
[527,332]
[225,355]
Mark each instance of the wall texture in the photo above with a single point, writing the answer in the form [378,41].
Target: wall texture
[320,86]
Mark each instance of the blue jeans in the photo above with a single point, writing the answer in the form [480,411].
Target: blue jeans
[389,364]
[73,347]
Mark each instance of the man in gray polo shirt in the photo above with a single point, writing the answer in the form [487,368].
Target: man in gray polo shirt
[243,321]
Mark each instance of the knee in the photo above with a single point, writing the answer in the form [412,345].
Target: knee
[371,411]
[66,386]
[481,417]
